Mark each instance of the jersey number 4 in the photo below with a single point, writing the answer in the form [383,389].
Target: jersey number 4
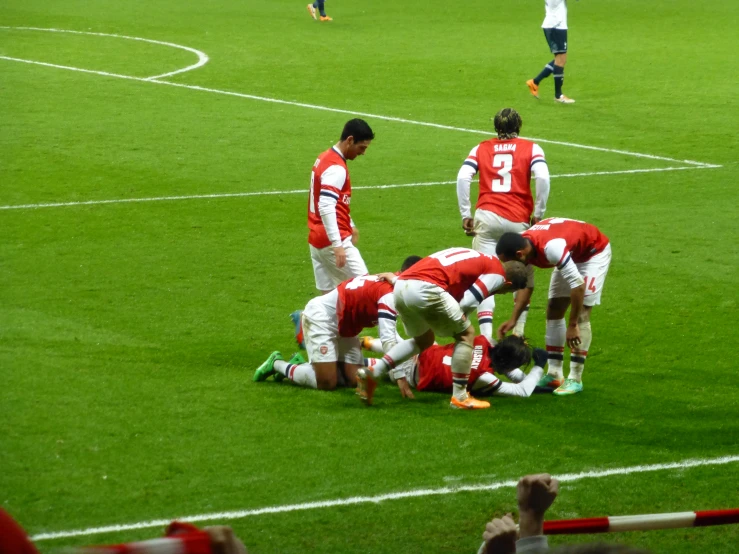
[502,165]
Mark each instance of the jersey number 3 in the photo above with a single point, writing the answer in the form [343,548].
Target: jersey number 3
[502,165]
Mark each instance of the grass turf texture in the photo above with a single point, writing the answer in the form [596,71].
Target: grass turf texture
[129,332]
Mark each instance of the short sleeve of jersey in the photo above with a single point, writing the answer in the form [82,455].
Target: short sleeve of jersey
[556,252]
[333,178]
[472,158]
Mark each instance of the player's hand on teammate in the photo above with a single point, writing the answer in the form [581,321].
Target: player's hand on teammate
[388,277]
[573,336]
[340,256]
[405,388]
[468,226]
[500,536]
[504,328]
[223,540]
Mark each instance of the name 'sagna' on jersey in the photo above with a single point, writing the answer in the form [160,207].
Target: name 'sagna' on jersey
[505,147]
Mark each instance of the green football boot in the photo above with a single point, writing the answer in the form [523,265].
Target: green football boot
[297,359]
[570,386]
[267,368]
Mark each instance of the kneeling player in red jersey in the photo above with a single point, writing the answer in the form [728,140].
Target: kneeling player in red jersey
[431,371]
[331,325]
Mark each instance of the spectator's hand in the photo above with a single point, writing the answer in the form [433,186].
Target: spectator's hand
[537,492]
[540,357]
[468,226]
[573,336]
[500,536]
[223,541]
[405,388]
[388,277]
[505,327]
[340,256]
[355,236]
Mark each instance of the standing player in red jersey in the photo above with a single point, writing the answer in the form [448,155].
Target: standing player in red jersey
[432,298]
[504,203]
[581,255]
[431,371]
[333,235]
[331,325]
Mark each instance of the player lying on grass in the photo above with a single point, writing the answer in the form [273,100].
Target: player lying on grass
[580,255]
[431,371]
[432,298]
[331,325]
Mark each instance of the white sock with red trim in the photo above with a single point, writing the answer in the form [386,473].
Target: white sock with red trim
[577,357]
[554,339]
[485,312]
[397,355]
[461,367]
[303,374]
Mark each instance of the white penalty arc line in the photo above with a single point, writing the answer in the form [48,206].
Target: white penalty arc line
[202,56]
[157,80]
[240,514]
[305,191]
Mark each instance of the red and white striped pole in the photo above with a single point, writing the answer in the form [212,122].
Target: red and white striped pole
[645,522]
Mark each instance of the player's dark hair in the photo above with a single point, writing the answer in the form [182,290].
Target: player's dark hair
[357,128]
[410,261]
[515,274]
[507,123]
[510,353]
[509,244]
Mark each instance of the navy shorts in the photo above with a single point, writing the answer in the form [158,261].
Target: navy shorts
[557,40]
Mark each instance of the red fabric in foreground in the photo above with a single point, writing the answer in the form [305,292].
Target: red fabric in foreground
[716,517]
[574,526]
[13,539]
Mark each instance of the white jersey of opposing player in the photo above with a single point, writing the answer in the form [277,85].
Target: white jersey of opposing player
[556,17]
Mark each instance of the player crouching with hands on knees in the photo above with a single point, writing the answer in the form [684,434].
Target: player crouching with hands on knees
[431,371]
[432,298]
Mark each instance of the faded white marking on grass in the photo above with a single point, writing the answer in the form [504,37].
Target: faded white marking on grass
[240,514]
[202,56]
[157,80]
[305,191]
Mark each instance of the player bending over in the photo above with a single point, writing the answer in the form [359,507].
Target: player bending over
[580,255]
[331,325]
[432,370]
[432,298]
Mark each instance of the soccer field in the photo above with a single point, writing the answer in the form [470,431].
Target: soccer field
[154,165]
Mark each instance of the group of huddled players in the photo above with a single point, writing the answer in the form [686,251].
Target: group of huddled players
[434,295]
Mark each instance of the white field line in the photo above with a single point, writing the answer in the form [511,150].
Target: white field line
[305,191]
[202,56]
[225,516]
[156,79]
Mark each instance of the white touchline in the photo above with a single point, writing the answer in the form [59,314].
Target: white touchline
[202,56]
[157,79]
[239,514]
[305,191]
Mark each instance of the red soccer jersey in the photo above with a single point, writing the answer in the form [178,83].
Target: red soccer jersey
[317,236]
[456,270]
[505,177]
[435,366]
[362,301]
[556,238]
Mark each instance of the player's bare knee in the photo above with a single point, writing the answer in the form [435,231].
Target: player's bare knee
[556,307]
[425,341]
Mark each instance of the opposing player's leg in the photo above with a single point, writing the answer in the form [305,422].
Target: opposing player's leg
[312,10]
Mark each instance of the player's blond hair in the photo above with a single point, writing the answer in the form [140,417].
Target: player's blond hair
[507,123]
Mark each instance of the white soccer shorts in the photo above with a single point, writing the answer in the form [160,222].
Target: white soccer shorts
[321,333]
[489,227]
[423,306]
[327,275]
[594,273]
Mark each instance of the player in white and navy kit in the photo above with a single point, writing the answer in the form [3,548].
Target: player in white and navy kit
[555,31]
[505,204]
[333,235]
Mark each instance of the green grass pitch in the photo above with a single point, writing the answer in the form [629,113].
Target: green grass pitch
[129,331]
